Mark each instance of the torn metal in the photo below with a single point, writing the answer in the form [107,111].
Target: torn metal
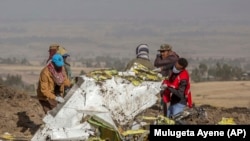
[91,104]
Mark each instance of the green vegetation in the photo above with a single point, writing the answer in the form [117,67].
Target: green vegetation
[14,60]
[201,70]
[16,82]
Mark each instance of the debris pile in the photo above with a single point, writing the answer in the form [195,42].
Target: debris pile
[99,109]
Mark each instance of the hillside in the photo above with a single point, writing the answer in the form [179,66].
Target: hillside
[215,39]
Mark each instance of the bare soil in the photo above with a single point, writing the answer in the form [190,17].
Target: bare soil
[21,114]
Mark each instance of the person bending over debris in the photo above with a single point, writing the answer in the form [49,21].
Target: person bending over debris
[176,89]
[52,82]
[142,57]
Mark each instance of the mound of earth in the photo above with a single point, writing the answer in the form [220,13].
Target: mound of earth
[208,115]
[21,115]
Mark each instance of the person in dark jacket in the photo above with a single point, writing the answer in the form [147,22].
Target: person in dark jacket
[142,57]
[164,63]
[165,60]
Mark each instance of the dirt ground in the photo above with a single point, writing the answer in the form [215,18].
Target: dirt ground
[21,115]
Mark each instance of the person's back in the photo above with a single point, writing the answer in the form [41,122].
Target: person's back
[142,57]
[166,59]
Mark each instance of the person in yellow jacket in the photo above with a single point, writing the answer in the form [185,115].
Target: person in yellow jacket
[52,82]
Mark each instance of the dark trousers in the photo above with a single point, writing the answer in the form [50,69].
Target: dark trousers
[48,105]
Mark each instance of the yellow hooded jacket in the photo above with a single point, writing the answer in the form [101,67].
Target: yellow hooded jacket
[46,85]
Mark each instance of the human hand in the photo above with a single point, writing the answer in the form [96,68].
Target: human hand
[157,70]
[163,87]
[59,99]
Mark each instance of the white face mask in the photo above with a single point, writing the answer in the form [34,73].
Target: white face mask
[175,70]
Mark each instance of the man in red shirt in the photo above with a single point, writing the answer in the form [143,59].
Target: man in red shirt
[176,89]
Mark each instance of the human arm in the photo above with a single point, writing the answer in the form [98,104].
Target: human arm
[180,92]
[46,86]
[167,62]
[157,60]
[167,66]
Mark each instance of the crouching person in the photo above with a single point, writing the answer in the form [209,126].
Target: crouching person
[177,94]
[52,81]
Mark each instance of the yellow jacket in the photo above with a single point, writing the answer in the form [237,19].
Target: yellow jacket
[46,85]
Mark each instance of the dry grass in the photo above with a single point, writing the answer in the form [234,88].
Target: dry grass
[222,94]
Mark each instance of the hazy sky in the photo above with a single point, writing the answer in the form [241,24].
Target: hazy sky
[33,35]
[124,9]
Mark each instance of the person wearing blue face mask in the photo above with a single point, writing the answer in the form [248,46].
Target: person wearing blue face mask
[52,82]
[176,89]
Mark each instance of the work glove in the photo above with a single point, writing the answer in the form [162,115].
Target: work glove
[157,70]
[59,99]
[163,87]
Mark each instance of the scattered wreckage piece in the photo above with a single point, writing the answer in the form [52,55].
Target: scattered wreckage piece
[113,102]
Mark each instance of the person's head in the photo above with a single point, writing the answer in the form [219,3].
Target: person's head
[142,51]
[180,65]
[57,61]
[53,49]
[61,50]
[165,50]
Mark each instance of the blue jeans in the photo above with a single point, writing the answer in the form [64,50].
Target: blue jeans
[175,109]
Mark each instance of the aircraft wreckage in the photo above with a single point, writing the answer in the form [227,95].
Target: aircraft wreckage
[102,104]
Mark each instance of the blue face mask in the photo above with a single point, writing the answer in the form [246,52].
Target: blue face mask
[175,70]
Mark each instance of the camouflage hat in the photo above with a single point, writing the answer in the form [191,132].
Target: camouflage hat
[54,46]
[165,47]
